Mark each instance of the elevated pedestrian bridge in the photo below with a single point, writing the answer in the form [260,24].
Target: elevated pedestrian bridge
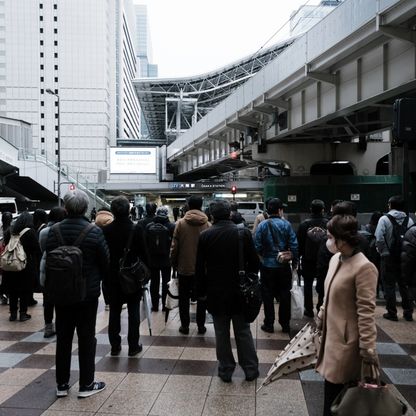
[332,86]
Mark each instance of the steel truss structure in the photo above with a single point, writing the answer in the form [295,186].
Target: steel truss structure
[171,106]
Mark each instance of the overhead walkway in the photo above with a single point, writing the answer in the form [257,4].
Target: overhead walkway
[334,84]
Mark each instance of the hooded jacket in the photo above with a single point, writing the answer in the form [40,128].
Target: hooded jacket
[384,231]
[185,241]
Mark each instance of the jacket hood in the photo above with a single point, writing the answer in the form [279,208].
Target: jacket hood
[162,219]
[195,217]
[398,215]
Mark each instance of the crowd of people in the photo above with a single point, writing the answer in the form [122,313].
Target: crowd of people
[350,265]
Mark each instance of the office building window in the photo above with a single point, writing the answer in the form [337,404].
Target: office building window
[41,30]
[42,79]
[55,55]
[42,67]
[42,128]
[42,103]
[42,115]
[40,6]
[56,152]
[56,103]
[56,91]
[55,18]
[42,140]
[56,128]
[55,6]
[41,43]
[56,67]
[56,140]
[55,42]
[41,18]
[56,115]
[42,91]
[55,31]
[41,54]
[56,79]
[42,151]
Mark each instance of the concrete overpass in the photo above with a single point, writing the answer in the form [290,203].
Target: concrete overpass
[324,98]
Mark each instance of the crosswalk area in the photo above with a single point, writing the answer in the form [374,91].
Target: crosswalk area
[176,374]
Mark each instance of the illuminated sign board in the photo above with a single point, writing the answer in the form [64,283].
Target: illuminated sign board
[133,160]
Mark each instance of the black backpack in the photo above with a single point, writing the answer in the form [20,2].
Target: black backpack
[65,283]
[397,236]
[315,234]
[157,238]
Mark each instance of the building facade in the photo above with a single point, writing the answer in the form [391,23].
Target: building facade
[80,51]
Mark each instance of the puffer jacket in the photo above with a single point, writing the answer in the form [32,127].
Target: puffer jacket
[384,231]
[409,257]
[185,241]
[94,249]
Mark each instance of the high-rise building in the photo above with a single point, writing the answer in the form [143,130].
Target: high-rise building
[82,51]
[144,54]
[307,16]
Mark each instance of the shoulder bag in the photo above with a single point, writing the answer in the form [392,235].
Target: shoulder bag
[134,274]
[249,285]
[368,397]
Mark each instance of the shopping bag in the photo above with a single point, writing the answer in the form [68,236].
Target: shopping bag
[296,298]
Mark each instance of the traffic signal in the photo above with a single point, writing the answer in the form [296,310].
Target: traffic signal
[233,189]
[72,187]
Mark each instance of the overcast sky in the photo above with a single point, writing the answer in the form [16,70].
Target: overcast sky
[192,37]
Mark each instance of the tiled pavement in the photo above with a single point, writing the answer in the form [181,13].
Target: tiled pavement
[175,374]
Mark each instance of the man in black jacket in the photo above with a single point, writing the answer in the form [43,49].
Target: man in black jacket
[217,279]
[409,260]
[80,316]
[117,235]
[310,234]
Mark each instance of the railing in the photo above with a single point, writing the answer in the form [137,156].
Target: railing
[89,187]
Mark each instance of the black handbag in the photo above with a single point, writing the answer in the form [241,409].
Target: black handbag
[134,274]
[367,398]
[249,286]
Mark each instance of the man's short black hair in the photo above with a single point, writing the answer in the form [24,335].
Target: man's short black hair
[151,208]
[345,208]
[317,205]
[397,202]
[195,202]
[120,206]
[220,209]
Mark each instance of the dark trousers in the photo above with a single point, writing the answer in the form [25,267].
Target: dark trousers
[247,356]
[186,292]
[133,310]
[391,274]
[48,308]
[82,317]
[276,284]
[18,295]
[331,391]
[155,284]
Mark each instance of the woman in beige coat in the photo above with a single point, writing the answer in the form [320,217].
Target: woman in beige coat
[347,317]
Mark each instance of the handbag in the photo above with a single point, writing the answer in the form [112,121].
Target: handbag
[249,285]
[296,298]
[172,297]
[366,398]
[133,274]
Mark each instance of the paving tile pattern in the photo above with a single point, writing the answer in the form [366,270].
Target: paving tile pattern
[176,374]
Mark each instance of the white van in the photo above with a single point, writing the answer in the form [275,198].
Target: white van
[250,209]
[8,204]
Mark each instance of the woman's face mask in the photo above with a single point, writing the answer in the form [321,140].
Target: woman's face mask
[331,244]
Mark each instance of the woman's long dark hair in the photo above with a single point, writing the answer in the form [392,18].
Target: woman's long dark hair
[24,220]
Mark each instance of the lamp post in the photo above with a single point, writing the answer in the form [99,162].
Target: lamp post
[49,91]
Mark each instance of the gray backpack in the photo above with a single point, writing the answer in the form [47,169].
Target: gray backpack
[13,258]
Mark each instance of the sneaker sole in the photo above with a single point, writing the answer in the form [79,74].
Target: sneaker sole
[61,393]
[84,394]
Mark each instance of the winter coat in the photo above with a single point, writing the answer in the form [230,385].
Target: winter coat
[25,280]
[384,231]
[94,249]
[217,266]
[185,241]
[117,236]
[409,257]
[348,316]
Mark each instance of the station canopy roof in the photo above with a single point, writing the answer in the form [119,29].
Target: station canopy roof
[208,89]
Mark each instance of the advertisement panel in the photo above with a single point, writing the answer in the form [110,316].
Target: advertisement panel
[133,160]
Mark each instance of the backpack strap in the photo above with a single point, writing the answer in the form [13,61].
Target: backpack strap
[23,231]
[275,240]
[83,234]
[57,230]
